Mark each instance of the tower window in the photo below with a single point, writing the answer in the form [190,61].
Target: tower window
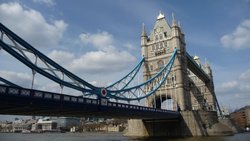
[167,48]
[165,44]
[157,46]
[160,64]
[161,45]
[160,36]
[151,67]
[153,47]
[165,34]
[156,37]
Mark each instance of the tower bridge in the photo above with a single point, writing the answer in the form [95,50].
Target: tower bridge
[169,72]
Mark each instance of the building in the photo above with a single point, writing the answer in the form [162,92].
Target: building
[66,122]
[22,125]
[6,127]
[225,111]
[157,48]
[202,96]
[189,83]
[19,126]
[241,117]
[44,124]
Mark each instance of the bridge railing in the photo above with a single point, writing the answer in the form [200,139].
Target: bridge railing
[37,94]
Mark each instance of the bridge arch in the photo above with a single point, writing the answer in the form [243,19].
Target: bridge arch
[167,101]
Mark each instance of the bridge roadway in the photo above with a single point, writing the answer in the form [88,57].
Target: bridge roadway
[20,101]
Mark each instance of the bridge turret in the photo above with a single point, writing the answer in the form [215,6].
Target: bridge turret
[197,60]
[180,66]
[157,49]
[208,69]
[144,39]
[175,29]
[177,33]
[174,23]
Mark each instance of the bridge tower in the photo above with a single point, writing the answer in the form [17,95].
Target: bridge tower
[189,85]
[157,49]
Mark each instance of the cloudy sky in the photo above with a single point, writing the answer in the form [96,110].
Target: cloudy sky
[100,40]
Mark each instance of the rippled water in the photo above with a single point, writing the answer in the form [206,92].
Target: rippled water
[108,137]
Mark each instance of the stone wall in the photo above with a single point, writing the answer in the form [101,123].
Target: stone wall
[203,123]
[145,128]
[191,123]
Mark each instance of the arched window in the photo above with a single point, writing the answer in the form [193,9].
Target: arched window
[151,68]
[161,45]
[153,47]
[156,46]
[160,36]
[156,37]
[165,44]
[160,64]
[165,34]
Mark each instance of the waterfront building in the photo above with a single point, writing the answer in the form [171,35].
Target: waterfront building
[225,111]
[22,125]
[44,124]
[241,117]
[6,127]
[66,122]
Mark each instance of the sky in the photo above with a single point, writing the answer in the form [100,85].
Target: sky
[100,40]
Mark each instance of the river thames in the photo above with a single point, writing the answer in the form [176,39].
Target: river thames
[108,137]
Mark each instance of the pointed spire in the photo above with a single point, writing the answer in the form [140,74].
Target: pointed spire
[160,16]
[207,68]
[144,33]
[173,20]
[206,63]
[179,24]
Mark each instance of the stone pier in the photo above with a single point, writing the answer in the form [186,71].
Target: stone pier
[192,123]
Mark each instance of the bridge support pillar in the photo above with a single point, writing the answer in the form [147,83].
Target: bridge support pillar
[191,123]
[136,128]
[153,128]
[203,123]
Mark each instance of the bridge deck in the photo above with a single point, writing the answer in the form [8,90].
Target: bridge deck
[20,101]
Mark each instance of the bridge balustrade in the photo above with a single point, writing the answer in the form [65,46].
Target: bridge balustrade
[31,94]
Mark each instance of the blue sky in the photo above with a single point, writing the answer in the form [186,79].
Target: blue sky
[99,34]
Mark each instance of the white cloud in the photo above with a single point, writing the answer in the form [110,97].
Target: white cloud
[51,87]
[245,75]
[61,57]
[106,59]
[235,92]
[228,86]
[240,84]
[31,25]
[245,87]
[21,79]
[129,46]
[101,40]
[103,62]
[94,62]
[47,2]
[239,38]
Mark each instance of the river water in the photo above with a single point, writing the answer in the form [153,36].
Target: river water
[108,137]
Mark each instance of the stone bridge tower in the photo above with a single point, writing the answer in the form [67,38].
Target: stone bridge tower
[157,50]
[189,85]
